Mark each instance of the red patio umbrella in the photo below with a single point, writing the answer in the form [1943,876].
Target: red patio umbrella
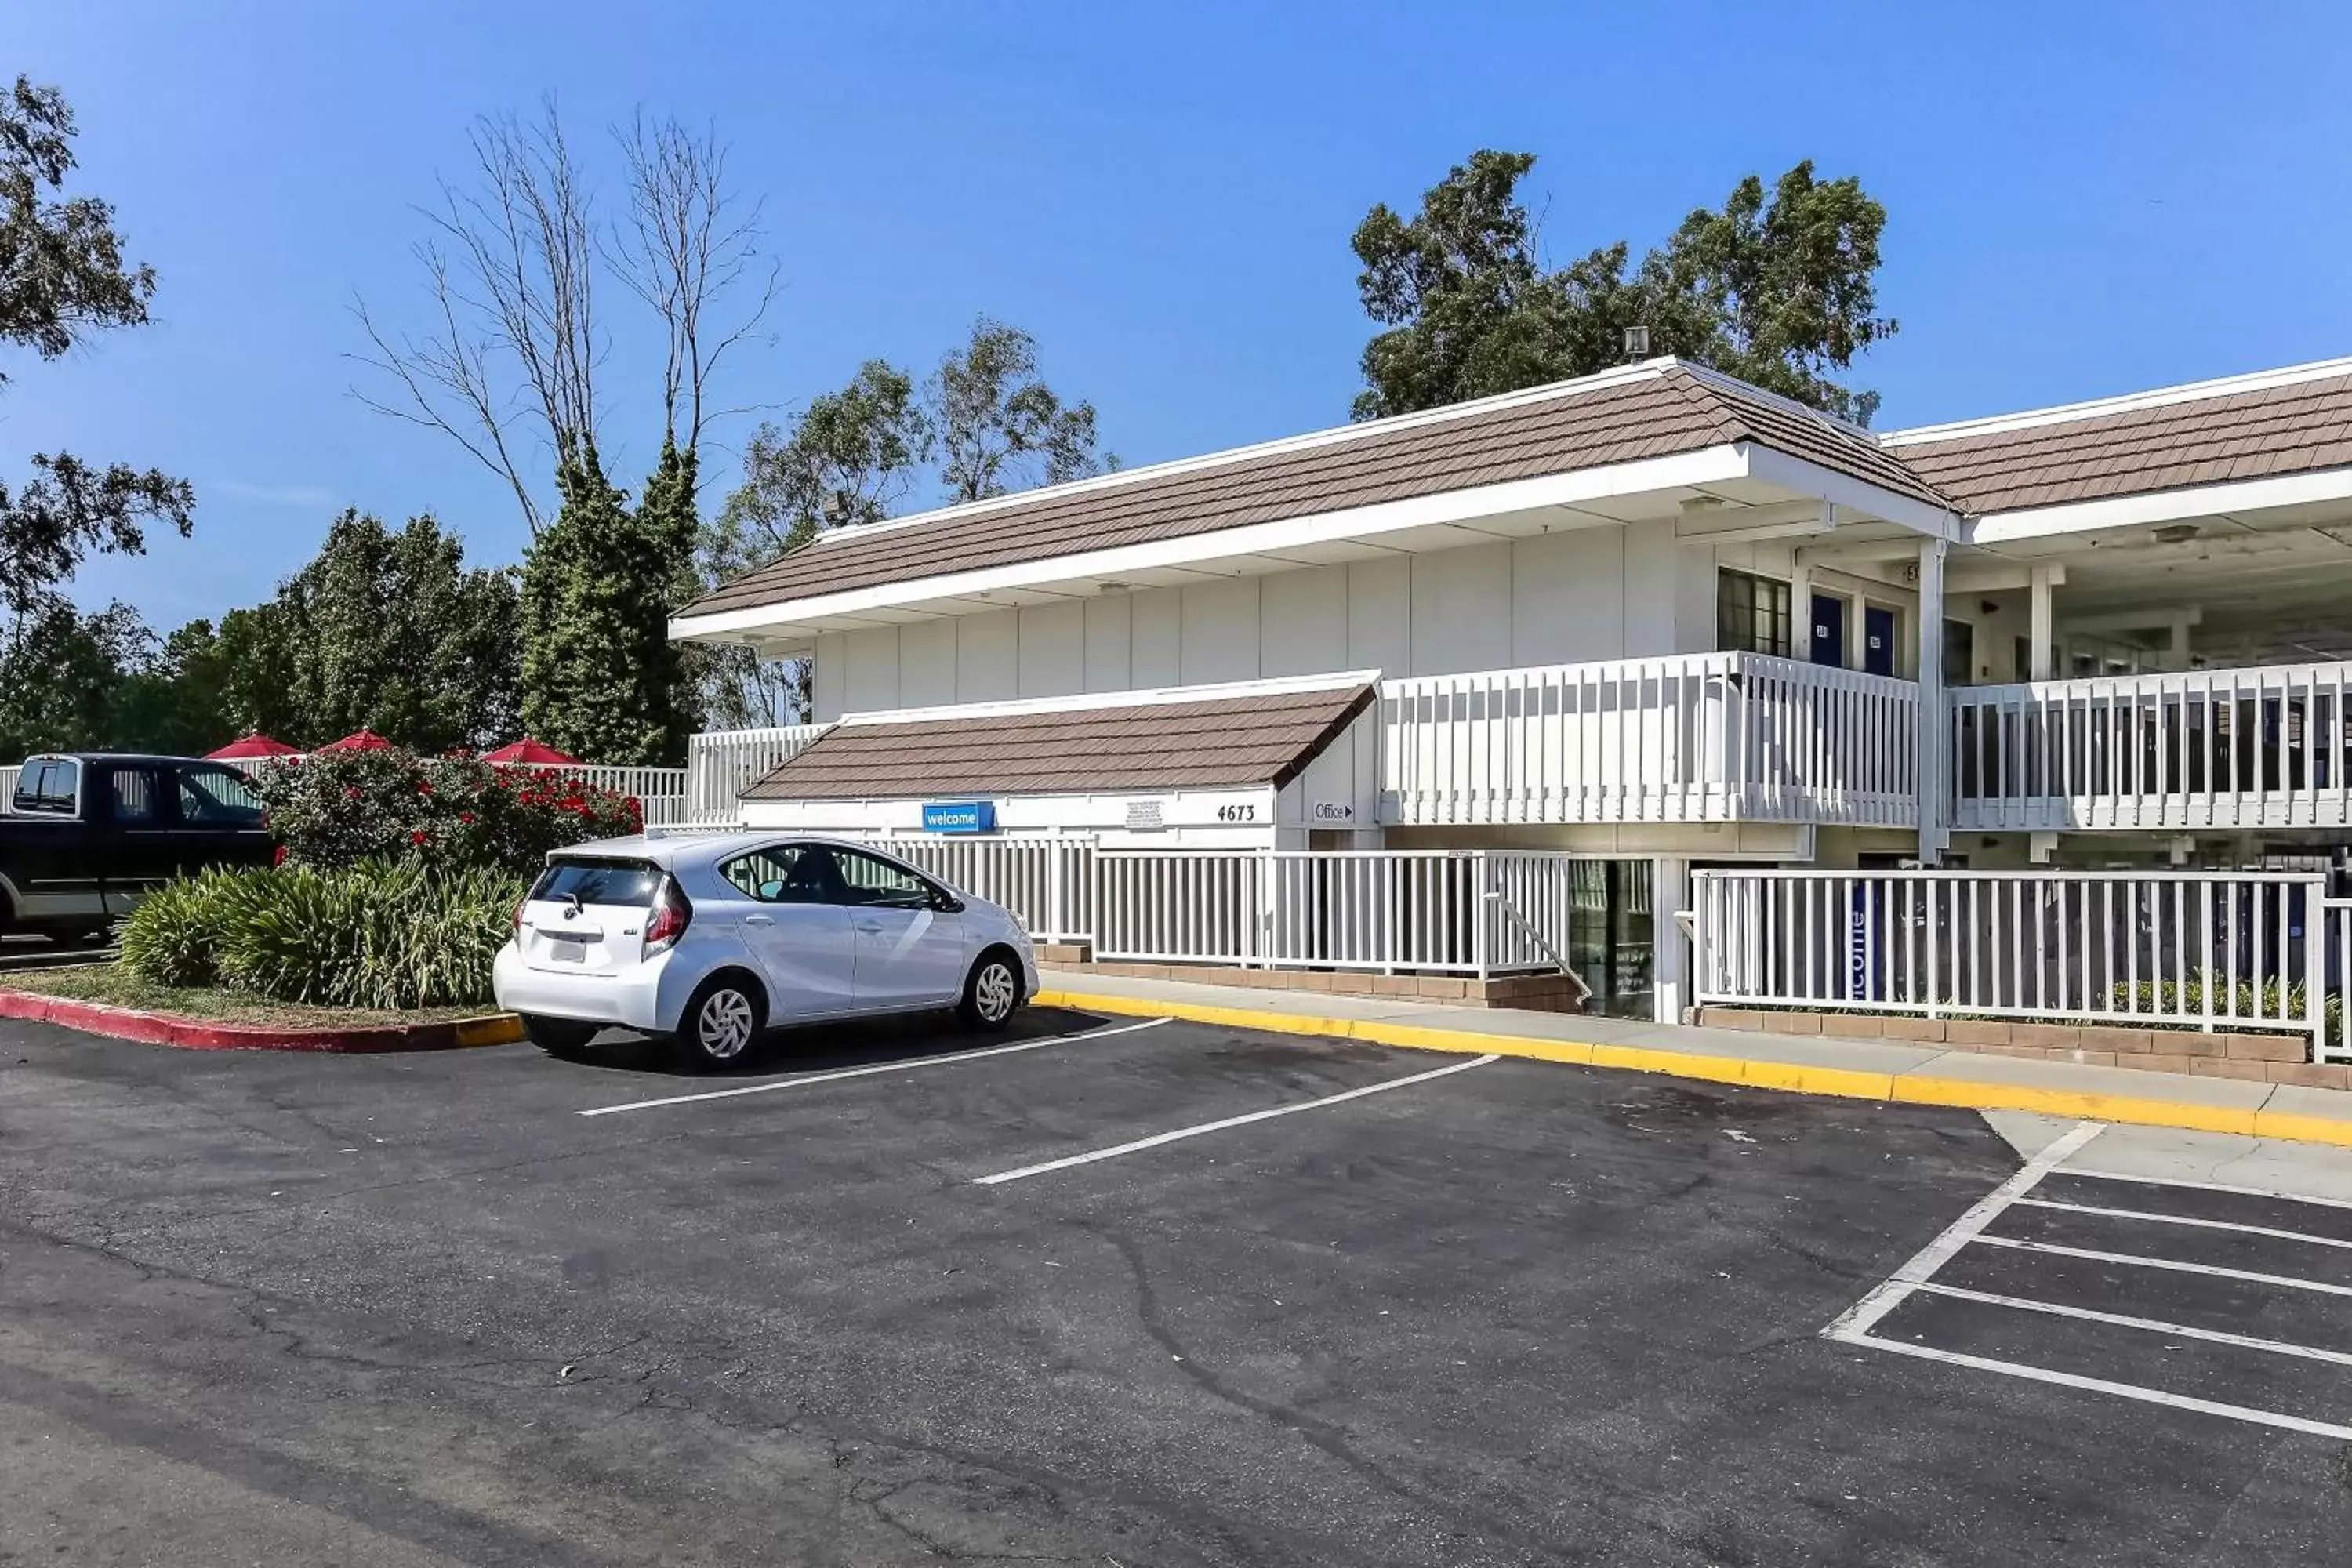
[358,741]
[529,750]
[251,747]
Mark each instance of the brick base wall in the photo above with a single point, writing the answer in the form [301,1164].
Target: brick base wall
[1533,993]
[2257,1058]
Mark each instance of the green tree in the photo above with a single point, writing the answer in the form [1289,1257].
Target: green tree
[1001,428]
[850,456]
[1776,287]
[63,277]
[382,629]
[600,677]
[63,678]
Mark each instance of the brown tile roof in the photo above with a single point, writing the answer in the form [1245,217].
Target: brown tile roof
[2288,429]
[1671,411]
[1215,742]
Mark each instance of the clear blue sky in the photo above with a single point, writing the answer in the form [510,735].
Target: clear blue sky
[2082,200]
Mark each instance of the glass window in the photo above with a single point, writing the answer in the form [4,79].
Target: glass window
[869,879]
[785,874]
[1751,614]
[218,795]
[48,785]
[134,796]
[1959,654]
[628,884]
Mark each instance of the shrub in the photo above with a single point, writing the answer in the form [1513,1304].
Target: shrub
[380,933]
[343,807]
[173,938]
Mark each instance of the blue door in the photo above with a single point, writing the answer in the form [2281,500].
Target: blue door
[1877,640]
[1829,630]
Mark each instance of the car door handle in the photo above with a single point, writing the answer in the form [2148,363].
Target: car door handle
[759,920]
[875,929]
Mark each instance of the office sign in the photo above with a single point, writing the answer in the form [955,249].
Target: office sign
[1332,813]
[959,816]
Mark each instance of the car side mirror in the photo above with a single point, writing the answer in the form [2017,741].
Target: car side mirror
[947,903]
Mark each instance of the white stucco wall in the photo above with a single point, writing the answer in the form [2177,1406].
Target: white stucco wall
[1587,593]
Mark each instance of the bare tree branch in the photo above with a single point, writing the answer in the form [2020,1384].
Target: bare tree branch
[687,248]
[512,275]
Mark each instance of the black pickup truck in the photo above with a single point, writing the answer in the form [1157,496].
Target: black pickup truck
[87,835]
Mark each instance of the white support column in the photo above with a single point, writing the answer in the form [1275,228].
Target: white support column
[1857,631]
[2044,629]
[1800,610]
[1934,721]
[1670,959]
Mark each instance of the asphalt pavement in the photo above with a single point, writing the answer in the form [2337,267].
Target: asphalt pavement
[1097,1292]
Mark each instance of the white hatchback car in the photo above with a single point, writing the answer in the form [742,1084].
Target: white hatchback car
[712,938]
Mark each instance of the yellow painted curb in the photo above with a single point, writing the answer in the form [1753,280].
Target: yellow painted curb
[1796,1077]
[500,1029]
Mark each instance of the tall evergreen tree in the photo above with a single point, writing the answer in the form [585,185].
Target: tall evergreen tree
[600,677]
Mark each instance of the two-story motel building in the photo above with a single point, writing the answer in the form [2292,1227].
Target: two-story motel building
[1605,631]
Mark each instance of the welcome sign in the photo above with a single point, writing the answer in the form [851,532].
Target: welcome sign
[959,816]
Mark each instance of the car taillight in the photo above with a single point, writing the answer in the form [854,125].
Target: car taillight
[671,913]
[518,916]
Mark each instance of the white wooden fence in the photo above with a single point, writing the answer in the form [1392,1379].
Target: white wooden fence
[722,764]
[7,788]
[1714,737]
[2261,747]
[1477,912]
[1046,883]
[2205,950]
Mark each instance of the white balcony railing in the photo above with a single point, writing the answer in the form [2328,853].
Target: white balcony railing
[2265,747]
[1716,737]
[721,764]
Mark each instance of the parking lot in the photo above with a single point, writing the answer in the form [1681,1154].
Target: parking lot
[1121,1291]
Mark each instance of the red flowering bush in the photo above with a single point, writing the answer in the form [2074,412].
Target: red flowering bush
[459,813]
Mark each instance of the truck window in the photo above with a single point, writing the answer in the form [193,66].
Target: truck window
[48,785]
[212,795]
[133,794]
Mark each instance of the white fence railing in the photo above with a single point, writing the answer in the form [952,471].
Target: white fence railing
[2204,950]
[2258,747]
[7,787]
[721,763]
[1714,737]
[1046,883]
[1478,912]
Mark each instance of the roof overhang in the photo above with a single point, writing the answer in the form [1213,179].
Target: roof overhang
[1734,476]
[2157,507]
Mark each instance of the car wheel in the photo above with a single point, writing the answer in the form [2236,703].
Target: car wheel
[558,1036]
[720,1024]
[992,993]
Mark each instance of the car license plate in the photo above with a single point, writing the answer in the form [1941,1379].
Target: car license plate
[568,951]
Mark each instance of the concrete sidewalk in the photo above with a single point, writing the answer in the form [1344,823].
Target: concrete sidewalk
[1864,1070]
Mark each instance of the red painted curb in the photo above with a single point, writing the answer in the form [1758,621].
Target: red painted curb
[164,1029]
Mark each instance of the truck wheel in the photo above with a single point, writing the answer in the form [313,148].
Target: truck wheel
[558,1036]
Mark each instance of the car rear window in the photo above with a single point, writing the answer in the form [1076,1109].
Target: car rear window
[47,786]
[628,883]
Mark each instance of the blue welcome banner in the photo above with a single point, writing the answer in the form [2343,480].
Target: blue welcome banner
[959,816]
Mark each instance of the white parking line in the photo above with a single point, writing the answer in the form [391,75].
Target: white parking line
[1157,1139]
[2101,1385]
[2134,1260]
[2209,1187]
[1854,1326]
[2125,1320]
[2273,1232]
[1859,1319]
[804,1081]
